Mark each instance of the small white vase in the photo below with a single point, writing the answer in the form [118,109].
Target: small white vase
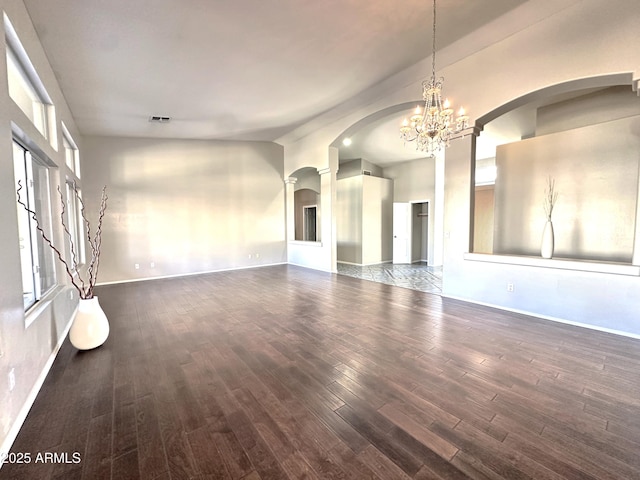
[546,249]
[90,327]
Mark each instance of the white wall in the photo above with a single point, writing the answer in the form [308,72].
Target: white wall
[319,255]
[571,41]
[364,211]
[377,220]
[187,206]
[349,168]
[595,169]
[577,40]
[415,182]
[349,219]
[27,351]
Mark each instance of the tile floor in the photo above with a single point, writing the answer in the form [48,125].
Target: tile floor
[417,276]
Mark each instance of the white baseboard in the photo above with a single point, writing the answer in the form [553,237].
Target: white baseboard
[548,317]
[364,264]
[177,275]
[307,266]
[31,398]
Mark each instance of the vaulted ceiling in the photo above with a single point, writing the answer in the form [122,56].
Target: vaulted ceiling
[248,69]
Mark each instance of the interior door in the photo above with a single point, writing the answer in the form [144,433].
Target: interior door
[401,233]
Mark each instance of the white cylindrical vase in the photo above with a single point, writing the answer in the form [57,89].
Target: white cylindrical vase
[90,327]
[546,249]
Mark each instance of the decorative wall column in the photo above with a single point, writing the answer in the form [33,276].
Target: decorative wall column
[290,212]
[635,260]
[459,173]
[328,189]
[438,212]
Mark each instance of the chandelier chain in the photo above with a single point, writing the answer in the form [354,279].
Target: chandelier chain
[433,54]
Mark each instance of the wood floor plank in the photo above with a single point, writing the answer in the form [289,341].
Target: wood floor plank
[152,458]
[97,460]
[381,464]
[125,434]
[550,456]
[480,448]
[283,372]
[272,433]
[125,467]
[206,454]
[261,456]
[384,443]
[296,466]
[173,431]
[590,454]
[440,446]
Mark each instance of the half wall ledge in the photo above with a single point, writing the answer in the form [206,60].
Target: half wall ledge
[557,263]
[305,243]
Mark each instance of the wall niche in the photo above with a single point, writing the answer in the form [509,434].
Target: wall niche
[307,206]
[590,145]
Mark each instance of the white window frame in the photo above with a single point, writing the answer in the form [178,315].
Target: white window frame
[41,256]
[71,151]
[305,223]
[24,81]
[75,225]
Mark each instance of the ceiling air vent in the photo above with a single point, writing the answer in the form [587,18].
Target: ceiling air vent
[159,119]
[366,172]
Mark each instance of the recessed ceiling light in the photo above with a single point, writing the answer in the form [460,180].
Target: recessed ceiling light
[346,141]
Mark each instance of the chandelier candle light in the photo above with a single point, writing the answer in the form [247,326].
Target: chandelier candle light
[431,128]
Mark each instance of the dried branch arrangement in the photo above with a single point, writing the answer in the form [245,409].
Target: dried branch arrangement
[84,285]
[550,197]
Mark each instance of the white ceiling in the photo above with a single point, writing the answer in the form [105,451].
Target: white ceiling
[237,69]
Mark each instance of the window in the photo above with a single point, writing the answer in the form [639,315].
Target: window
[309,226]
[75,225]
[36,257]
[25,87]
[71,152]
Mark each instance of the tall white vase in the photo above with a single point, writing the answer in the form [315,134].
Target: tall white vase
[90,327]
[546,249]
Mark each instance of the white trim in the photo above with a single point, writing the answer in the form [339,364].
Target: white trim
[557,263]
[548,317]
[305,229]
[116,282]
[311,268]
[35,310]
[32,313]
[365,264]
[305,243]
[15,45]
[31,398]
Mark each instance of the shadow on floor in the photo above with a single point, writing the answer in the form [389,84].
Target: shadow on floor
[416,276]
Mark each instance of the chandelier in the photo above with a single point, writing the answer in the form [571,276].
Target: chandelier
[432,127]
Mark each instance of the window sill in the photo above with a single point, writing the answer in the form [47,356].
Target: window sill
[305,243]
[557,263]
[37,309]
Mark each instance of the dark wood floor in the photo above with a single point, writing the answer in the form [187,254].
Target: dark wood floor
[282,372]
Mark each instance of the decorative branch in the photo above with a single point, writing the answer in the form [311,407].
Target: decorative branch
[74,257]
[550,197]
[85,288]
[96,244]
